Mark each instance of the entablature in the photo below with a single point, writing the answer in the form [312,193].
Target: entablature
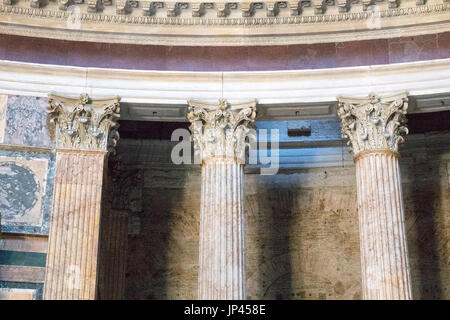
[223,23]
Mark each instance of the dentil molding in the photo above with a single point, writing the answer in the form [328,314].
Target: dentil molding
[223,23]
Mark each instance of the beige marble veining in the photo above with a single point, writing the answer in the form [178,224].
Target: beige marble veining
[71,269]
[222,232]
[384,250]
[220,136]
[86,130]
[375,126]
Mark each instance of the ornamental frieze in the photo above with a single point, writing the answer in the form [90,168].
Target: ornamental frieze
[326,10]
[285,22]
[84,123]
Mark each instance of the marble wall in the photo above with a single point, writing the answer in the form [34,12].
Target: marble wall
[27,165]
[302,226]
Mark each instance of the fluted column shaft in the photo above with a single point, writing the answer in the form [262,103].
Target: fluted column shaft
[375,126]
[384,252]
[222,231]
[71,270]
[85,132]
[221,133]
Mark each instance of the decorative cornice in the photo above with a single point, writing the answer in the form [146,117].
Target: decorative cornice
[95,20]
[221,130]
[222,9]
[374,123]
[247,20]
[84,123]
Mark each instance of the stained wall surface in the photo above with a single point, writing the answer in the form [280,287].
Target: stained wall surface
[210,58]
[302,224]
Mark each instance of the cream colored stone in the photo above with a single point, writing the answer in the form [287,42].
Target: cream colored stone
[376,123]
[384,250]
[222,232]
[17,294]
[221,23]
[311,90]
[375,126]
[83,123]
[220,135]
[221,131]
[72,254]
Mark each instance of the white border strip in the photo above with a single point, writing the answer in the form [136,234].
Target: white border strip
[268,87]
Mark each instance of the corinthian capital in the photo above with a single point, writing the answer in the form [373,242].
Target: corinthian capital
[374,123]
[84,123]
[221,130]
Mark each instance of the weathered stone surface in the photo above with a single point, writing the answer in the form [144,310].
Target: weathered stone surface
[375,127]
[72,257]
[384,251]
[3,102]
[220,133]
[112,257]
[17,294]
[26,122]
[374,123]
[302,228]
[84,123]
[222,257]
[26,187]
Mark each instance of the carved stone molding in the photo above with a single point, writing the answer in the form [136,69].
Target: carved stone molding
[123,7]
[37,3]
[374,123]
[94,5]
[221,23]
[221,130]
[84,123]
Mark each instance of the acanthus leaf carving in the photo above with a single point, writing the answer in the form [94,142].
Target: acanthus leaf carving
[84,123]
[221,130]
[375,123]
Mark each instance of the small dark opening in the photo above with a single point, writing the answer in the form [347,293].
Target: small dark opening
[299,132]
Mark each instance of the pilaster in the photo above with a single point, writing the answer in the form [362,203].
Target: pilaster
[85,132]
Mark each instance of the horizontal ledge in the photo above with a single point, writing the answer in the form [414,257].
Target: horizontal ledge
[282,95]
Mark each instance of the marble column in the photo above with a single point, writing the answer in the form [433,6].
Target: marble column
[375,126]
[85,132]
[220,134]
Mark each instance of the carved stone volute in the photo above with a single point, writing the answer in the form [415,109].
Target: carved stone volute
[374,123]
[84,123]
[221,130]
